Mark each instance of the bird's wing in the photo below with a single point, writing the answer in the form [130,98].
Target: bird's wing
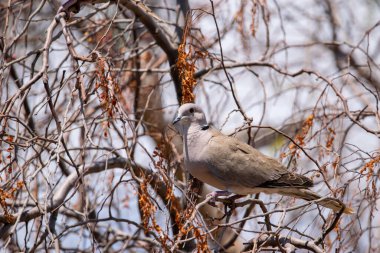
[289,179]
[237,163]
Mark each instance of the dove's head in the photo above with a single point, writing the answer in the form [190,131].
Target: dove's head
[189,115]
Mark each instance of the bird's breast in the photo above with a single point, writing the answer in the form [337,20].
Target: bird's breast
[203,172]
[194,149]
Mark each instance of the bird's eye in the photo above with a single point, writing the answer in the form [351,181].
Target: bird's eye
[191,110]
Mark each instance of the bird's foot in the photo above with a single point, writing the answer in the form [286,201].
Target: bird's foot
[214,196]
[230,201]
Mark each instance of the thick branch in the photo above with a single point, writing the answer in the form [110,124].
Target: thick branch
[288,243]
[160,31]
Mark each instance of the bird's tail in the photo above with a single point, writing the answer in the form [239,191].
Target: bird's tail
[308,195]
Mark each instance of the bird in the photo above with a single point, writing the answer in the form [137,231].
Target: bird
[235,167]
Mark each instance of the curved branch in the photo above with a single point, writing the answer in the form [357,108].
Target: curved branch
[160,32]
[68,185]
[287,242]
[156,26]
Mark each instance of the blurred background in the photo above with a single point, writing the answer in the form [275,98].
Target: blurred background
[91,163]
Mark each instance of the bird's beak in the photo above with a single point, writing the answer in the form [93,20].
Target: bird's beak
[176,119]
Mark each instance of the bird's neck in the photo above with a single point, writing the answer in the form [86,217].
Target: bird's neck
[195,137]
[194,129]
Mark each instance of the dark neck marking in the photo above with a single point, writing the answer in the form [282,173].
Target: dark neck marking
[205,127]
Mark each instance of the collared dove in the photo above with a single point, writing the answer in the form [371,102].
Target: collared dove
[231,165]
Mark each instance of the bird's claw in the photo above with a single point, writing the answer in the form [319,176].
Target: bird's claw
[212,200]
[214,196]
